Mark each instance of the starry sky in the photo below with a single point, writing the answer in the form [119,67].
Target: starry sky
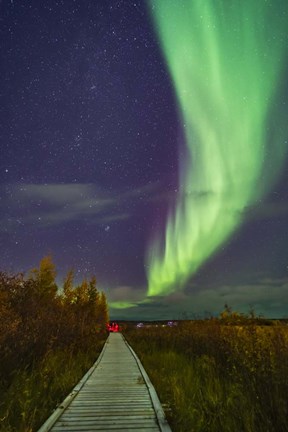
[91,139]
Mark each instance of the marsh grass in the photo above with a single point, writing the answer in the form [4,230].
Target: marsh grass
[215,377]
[36,391]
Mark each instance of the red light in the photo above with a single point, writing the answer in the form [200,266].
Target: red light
[114,327]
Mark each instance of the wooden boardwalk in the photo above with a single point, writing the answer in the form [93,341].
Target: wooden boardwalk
[115,395]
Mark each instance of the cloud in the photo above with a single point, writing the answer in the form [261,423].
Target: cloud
[54,204]
[267,210]
[267,297]
[56,194]
[126,293]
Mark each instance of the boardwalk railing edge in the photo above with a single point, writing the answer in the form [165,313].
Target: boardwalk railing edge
[162,421]
[46,427]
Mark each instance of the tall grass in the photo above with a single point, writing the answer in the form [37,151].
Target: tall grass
[36,391]
[218,376]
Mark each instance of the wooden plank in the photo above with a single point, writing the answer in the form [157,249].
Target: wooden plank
[120,429]
[99,410]
[88,417]
[108,421]
[114,396]
[127,427]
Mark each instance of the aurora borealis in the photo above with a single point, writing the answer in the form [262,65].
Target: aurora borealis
[144,142]
[226,77]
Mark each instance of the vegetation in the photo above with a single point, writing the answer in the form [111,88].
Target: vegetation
[226,374]
[48,339]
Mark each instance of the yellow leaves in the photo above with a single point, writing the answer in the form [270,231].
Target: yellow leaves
[38,322]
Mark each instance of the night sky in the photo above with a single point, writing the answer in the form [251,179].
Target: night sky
[91,145]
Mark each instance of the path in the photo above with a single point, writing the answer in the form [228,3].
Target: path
[115,395]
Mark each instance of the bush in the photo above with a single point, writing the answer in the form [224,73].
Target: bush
[48,339]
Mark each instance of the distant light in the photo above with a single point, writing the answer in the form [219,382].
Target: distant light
[171,323]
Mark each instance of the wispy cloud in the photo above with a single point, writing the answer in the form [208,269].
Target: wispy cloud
[268,297]
[126,293]
[267,210]
[54,204]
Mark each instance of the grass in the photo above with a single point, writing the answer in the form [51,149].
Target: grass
[36,391]
[215,377]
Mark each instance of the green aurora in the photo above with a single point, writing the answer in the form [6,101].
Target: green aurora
[226,60]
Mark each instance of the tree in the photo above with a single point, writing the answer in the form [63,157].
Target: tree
[92,290]
[68,287]
[102,312]
[44,278]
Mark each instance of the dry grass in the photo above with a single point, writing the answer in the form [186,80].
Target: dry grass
[218,375]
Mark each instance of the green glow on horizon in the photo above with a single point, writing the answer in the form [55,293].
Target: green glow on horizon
[225,59]
[127,304]
[121,305]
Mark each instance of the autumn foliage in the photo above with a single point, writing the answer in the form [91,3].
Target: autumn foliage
[41,323]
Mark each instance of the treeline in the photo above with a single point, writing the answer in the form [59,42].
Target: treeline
[49,336]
